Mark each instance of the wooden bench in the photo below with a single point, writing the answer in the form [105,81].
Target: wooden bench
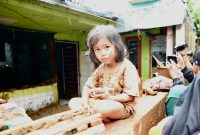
[149,111]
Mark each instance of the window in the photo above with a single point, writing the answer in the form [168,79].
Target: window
[2,53]
[26,59]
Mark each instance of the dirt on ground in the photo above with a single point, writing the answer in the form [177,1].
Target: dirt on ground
[48,110]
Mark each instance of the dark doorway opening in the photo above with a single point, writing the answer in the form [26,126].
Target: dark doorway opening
[67,69]
[134,50]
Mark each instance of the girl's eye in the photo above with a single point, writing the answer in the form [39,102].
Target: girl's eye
[97,50]
[107,46]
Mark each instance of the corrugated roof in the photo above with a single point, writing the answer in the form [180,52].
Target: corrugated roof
[81,8]
[160,14]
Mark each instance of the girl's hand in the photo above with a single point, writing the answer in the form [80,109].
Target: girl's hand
[87,106]
[104,95]
[95,91]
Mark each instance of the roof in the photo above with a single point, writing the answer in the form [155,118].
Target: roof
[48,15]
[72,16]
[84,8]
[159,14]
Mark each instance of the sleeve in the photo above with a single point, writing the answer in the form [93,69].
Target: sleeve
[131,80]
[177,81]
[188,74]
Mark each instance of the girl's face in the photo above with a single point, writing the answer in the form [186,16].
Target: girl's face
[105,51]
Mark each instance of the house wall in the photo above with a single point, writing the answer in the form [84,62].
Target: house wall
[86,69]
[80,37]
[32,99]
[190,34]
[145,51]
[37,97]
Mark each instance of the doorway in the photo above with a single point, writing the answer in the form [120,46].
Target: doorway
[134,50]
[67,69]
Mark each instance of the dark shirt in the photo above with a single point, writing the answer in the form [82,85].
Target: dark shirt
[188,74]
[186,120]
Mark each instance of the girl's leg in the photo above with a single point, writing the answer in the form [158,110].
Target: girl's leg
[109,109]
[75,103]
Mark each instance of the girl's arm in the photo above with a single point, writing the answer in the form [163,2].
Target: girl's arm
[123,97]
[85,95]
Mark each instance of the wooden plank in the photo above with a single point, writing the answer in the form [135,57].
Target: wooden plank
[98,129]
[44,122]
[65,126]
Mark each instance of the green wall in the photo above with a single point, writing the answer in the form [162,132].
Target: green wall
[31,91]
[79,37]
[145,50]
[145,57]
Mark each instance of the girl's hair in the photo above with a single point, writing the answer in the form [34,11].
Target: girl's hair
[112,35]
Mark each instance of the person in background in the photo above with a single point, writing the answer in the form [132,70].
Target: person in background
[179,73]
[183,61]
[113,87]
[178,81]
[185,120]
[177,88]
[181,48]
[190,55]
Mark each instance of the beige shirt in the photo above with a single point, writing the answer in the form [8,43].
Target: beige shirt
[124,79]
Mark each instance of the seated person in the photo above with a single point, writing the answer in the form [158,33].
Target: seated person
[113,87]
[185,120]
[190,55]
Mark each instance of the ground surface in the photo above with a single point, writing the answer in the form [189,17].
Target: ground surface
[49,110]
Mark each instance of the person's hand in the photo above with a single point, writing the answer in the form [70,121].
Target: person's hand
[87,106]
[180,61]
[95,91]
[187,62]
[104,95]
[2,101]
[174,70]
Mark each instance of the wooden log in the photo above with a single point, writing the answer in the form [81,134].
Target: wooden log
[44,122]
[95,122]
[98,129]
[66,126]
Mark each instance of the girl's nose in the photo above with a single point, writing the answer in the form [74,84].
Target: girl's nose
[103,52]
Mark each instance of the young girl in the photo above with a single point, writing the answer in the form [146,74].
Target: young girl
[113,87]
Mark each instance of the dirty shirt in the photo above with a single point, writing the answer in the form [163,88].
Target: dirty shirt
[123,80]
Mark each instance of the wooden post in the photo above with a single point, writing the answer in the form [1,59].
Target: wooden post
[180,34]
[170,41]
